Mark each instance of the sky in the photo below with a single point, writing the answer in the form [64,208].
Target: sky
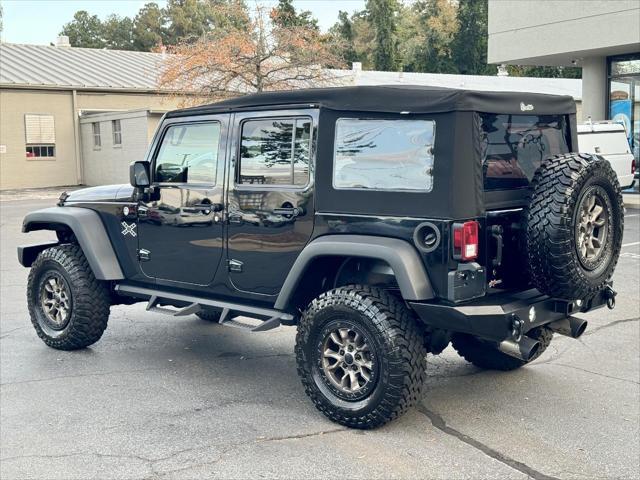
[40,21]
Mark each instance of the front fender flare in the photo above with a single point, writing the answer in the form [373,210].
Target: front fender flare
[88,228]
[401,256]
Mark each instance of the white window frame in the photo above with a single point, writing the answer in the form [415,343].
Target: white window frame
[95,131]
[117,133]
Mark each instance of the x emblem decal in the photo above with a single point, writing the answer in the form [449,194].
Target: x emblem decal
[128,229]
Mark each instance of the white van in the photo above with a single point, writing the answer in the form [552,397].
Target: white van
[609,140]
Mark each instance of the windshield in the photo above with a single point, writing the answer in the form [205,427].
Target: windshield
[513,147]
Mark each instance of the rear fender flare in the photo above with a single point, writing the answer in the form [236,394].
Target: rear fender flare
[401,256]
[89,230]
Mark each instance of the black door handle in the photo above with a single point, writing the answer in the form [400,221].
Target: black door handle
[284,211]
[288,211]
[214,207]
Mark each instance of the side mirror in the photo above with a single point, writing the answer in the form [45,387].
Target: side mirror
[139,174]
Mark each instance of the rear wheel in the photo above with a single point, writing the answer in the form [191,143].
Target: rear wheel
[574,226]
[69,308]
[360,356]
[484,355]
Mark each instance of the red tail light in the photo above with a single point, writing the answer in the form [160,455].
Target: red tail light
[465,240]
[633,166]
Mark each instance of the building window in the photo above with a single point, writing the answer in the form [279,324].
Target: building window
[624,96]
[41,151]
[392,155]
[40,136]
[117,132]
[96,135]
[275,152]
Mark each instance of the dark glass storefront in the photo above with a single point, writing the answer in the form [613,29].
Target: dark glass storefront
[624,96]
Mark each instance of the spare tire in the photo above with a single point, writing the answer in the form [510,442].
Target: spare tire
[574,225]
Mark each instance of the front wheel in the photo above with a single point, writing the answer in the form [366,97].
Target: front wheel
[360,356]
[69,308]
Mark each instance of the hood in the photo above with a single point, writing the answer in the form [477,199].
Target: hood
[104,193]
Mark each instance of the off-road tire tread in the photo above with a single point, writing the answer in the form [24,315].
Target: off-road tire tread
[398,328]
[484,356]
[555,191]
[91,299]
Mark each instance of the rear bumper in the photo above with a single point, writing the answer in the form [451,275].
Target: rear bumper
[503,316]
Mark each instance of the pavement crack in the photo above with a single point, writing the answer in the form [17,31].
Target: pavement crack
[9,332]
[596,373]
[609,325]
[302,435]
[80,375]
[438,422]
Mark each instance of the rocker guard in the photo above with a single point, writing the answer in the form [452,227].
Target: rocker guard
[492,317]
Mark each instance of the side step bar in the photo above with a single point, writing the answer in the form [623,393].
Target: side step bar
[269,318]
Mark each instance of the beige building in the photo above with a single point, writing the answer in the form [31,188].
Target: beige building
[45,91]
[112,140]
[601,37]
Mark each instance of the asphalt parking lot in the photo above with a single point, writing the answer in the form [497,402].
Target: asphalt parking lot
[160,397]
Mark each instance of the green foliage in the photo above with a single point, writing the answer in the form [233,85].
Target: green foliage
[435,36]
[285,15]
[84,30]
[180,20]
[544,72]
[148,28]
[470,42]
[382,18]
[118,33]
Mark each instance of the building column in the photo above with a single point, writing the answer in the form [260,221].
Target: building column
[594,88]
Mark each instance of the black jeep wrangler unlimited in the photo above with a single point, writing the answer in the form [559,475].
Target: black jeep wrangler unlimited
[384,222]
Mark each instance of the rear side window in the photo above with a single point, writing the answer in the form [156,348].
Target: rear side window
[513,147]
[393,155]
[604,142]
[275,151]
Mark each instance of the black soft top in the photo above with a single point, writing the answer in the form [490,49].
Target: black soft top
[396,99]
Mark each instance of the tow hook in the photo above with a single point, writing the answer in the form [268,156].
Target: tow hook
[517,328]
[610,295]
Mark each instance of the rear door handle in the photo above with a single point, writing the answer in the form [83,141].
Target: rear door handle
[287,211]
[205,207]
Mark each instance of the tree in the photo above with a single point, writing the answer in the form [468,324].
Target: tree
[428,49]
[470,42]
[188,19]
[285,15]
[344,36]
[84,31]
[382,17]
[118,33]
[254,56]
[544,72]
[148,28]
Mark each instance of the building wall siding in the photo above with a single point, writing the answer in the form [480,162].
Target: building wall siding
[555,32]
[110,163]
[16,170]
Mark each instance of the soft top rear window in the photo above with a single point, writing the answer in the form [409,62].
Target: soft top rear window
[513,147]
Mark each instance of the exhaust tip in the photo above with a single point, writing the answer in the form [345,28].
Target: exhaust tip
[579,329]
[532,352]
[524,350]
[571,327]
